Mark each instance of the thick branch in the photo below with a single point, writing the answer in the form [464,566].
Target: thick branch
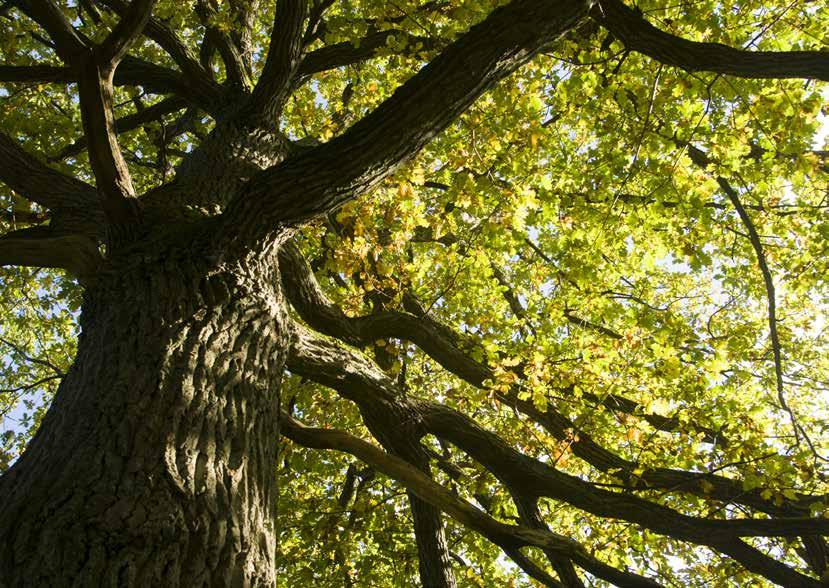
[40,74]
[284,52]
[638,35]
[111,173]
[329,175]
[132,72]
[38,247]
[68,44]
[235,67]
[125,33]
[39,183]
[95,66]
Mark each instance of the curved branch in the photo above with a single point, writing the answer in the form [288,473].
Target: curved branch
[441,344]
[701,159]
[637,34]
[358,379]
[508,537]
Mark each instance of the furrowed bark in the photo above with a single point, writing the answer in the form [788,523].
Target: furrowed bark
[155,464]
[639,35]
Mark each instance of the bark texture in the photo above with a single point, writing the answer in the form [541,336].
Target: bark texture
[155,464]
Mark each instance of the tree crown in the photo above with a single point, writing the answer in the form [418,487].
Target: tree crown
[613,261]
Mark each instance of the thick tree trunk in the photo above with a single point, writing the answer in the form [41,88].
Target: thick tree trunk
[155,466]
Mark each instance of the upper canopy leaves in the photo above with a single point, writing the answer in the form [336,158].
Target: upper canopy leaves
[567,236]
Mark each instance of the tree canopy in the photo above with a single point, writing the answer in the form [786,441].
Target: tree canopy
[557,270]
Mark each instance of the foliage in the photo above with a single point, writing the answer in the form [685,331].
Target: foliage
[563,226]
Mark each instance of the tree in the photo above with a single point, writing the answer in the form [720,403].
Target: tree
[545,275]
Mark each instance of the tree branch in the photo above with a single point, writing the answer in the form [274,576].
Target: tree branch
[235,69]
[347,53]
[128,123]
[95,66]
[172,44]
[357,379]
[39,247]
[131,72]
[702,160]
[508,537]
[638,35]
[40,74]
[125,33]
[41,184]
[327,176]
[282,60]
[69,46]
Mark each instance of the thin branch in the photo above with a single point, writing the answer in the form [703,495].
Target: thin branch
[508,537]
[29,358]
[348,53]
[127,123]
[67,43]
[702,160]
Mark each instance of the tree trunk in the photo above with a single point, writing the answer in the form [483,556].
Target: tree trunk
[155,465]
